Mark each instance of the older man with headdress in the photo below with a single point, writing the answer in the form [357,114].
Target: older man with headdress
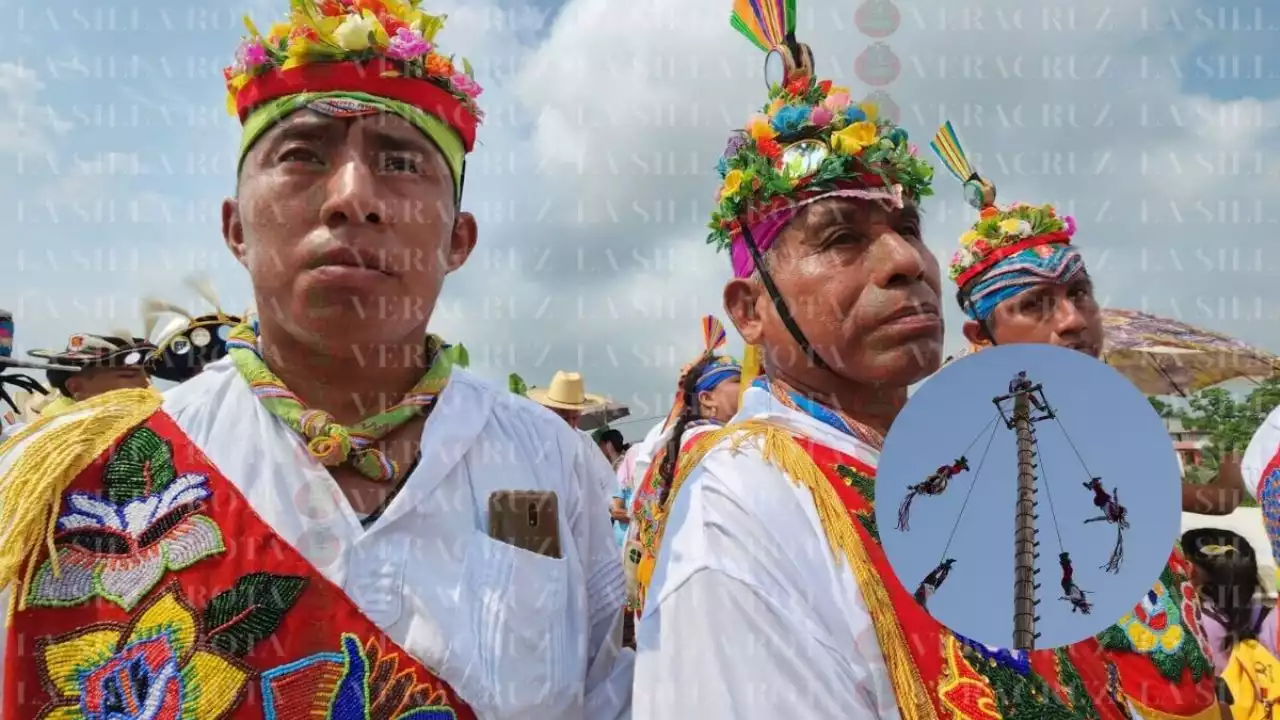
[771,595]
[330,517]
[1020,279]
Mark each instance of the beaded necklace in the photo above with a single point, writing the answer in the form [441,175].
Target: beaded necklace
[329,442]
[831,417]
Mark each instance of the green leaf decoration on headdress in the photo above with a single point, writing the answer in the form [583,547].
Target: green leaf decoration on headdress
[458,355]
[517,384]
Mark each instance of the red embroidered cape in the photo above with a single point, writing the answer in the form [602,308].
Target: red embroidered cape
[1096,678]
[175,600]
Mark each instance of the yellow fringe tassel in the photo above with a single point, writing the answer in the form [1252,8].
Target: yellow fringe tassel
[31,490]
[751,367]
[782,451]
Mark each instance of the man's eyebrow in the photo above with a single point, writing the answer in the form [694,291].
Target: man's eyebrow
[301,127]
[392,141]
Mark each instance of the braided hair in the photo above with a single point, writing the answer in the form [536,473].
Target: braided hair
[689,412]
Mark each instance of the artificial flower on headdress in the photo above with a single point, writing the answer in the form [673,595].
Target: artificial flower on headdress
[810,140]
[1008,249]
[353,57]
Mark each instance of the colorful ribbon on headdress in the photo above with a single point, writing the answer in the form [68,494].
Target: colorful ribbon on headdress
[766,231]
[1021,272]
[716,371]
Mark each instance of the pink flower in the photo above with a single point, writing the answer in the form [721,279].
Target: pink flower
[836,102]
[1071,225]
[820,117]
[915,151]
[251,54]
[407,45]
[465,85]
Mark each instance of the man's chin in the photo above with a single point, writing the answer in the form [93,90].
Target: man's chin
[904,365]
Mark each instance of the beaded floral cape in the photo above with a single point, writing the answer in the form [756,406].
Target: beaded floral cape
[166,596]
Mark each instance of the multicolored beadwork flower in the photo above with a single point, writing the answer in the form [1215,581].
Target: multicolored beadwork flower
[157,666]
[359,683]
[119,546]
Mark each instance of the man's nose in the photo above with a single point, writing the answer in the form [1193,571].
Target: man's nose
[352,196]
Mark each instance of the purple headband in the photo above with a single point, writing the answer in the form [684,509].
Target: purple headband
[766,231]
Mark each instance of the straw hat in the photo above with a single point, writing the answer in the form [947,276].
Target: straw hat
[566,392]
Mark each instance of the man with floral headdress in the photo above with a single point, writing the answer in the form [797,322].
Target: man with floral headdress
[305,527]
[771,595]
[1020,279]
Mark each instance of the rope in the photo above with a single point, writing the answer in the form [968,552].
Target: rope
[1053,515]
[1072,443]
[976,474]
[981,432]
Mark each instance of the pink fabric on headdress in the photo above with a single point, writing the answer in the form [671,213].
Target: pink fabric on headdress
[766,231]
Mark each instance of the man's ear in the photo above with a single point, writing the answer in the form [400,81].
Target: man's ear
[75,387]
[974,333]
[462,242]
[233,230]
[741,298]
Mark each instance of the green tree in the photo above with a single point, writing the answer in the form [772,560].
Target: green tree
[1162,408]
[1229,421]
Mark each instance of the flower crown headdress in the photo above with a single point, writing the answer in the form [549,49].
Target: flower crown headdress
[351,52]
[809,140]
[999,233]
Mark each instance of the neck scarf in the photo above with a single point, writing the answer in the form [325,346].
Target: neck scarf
[784,394]
[328,442]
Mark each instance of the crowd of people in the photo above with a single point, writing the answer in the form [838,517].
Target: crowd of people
[464,552]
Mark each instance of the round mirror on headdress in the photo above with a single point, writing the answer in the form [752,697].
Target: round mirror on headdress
[803,158]
[777,66]
[979,192]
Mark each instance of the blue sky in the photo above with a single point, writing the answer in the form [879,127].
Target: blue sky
[1120,438]
[115,153]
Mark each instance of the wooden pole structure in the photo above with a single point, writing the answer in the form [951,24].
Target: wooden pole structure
[1024,546]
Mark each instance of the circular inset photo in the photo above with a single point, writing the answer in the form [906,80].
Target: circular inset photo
[1029,496]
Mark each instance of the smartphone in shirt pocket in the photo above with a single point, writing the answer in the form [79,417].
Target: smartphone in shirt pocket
[527,519]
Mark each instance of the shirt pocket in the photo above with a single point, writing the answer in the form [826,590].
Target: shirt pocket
[515,601]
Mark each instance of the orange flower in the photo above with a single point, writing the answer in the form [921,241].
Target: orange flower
[439,66]
[989,212]
[374,6]
[391,23]
[798,84]
[769,148]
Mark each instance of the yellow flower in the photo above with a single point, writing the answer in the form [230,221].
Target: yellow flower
[159,649]
[353,34]
[1009,227]
[969,238]
[732,181]
[851,140]
[278,32]
[300,49]
[872,110]
[775,106]
[758,128]
[838,89]
[1140,636]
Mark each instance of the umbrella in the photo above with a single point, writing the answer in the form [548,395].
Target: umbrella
[1168,357]
[602,415]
